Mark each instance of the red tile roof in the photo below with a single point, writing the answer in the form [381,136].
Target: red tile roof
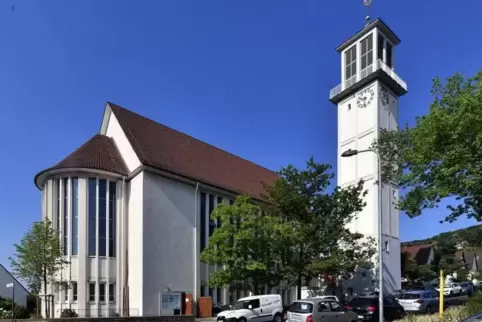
[99,152]
[163,148]
[420,253]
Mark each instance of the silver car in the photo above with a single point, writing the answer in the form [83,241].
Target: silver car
[319,310]
[419,301]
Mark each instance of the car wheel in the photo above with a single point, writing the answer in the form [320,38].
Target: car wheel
[277,318]
[242,319]
[428,310]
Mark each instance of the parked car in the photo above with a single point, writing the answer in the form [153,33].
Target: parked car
[467,288]
[419,301]
[366,308]
[451,289]
[320,310]
[263,308]
[424,287]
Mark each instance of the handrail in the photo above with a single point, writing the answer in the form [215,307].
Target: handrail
[379,64]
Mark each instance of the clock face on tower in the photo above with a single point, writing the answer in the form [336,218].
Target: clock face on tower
[384,97]
[365,97]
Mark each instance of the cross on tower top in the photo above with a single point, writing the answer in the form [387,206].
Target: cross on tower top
[367,4]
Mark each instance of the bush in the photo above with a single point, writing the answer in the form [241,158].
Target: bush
[68,313]
[6,309]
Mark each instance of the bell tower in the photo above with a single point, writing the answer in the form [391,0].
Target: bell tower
[367,101]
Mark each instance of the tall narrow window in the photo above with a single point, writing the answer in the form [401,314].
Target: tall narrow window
[59,212]
[389,55]
[91,292]
[350,63]
[102,217]
[203,221]
[92,216]
[112,218]
[74,291]
[367,52]
[66,216]
[212,223]
[111,292]
[101,292]
[218,202]
[75,216]
[380,47]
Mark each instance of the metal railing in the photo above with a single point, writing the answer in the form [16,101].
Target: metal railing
[379,64]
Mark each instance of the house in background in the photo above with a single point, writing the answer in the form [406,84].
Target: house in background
[421,254]
[21,292]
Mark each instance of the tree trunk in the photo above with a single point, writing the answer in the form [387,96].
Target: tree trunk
[299,282]
[46,300]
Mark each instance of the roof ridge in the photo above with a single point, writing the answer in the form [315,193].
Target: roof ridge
[184,134]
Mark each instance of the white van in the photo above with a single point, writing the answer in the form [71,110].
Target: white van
[262,308]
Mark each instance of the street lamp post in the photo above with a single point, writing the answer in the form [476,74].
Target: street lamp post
[350,153]
[12,286]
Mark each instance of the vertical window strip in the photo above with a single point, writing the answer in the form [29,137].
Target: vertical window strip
[212,223]
[92,216]
[66,215]
[111,292]
[58,211]
[102,217]
[219,201]
[74,291]
[92,292]
[101,292]
[75,215]
[367,52]
[203,221]
[380,47]
[112,219]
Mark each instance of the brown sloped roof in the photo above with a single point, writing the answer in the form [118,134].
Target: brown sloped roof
[163,148]
[419,253]
[99,152]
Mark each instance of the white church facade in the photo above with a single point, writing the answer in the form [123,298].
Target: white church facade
[132,204]
[132,207]
[367,100]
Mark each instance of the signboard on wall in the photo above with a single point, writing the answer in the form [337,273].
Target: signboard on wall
[171,301]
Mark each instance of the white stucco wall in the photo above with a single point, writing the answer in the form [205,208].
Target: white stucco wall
[358,127]
[20,292]
[169,218]
[135,243]
[115,131]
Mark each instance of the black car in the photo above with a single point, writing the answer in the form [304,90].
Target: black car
[366,307]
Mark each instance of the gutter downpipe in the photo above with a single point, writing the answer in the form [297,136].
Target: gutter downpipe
[125,288]
[195,254]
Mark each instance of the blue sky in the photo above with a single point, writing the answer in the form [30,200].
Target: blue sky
[251,77]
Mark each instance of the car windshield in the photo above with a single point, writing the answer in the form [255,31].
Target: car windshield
[301,307]
[330,298]
[409,296]
[242,304]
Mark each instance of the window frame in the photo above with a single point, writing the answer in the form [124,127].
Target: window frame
[350,62]
[92,295]
[366,56]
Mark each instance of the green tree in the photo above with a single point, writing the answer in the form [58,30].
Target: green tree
[414,272]
[314,224]
[38,258]
[441,156]
[246,245]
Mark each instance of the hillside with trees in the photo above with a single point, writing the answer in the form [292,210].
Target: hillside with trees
[466,238]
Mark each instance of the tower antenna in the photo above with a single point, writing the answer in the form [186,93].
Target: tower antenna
[367,4]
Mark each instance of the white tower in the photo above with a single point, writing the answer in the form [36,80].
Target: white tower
[367,100]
